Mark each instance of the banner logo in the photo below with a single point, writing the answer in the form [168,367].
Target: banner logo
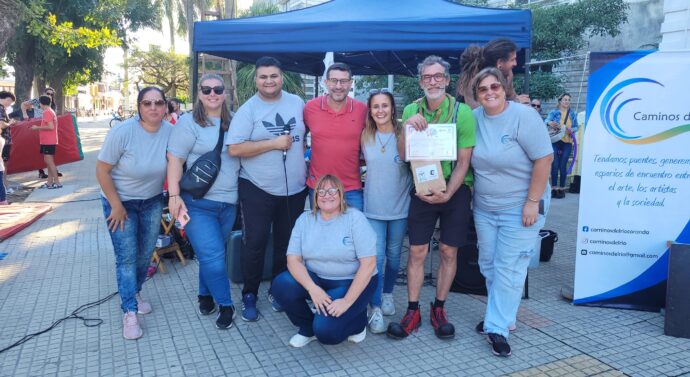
[611,108]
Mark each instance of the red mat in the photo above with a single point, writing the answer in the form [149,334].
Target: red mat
[25,156]
[15,217]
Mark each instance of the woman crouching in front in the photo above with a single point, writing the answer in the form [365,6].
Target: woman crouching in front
[331,260]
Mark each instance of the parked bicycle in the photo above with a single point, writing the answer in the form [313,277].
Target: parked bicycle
[117,119]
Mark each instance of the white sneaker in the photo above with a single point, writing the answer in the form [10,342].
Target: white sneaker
[387,304]
[143,307]
[376,323]
[299,341]
[358,338]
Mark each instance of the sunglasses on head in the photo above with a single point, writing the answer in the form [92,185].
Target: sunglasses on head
[206,90]
[374,92]
[493,87]
[150,103]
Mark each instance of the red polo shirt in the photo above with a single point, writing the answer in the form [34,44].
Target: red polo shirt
[335,140]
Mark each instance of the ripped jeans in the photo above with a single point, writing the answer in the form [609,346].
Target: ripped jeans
[505,250]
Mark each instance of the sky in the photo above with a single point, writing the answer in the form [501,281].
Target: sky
[147,37]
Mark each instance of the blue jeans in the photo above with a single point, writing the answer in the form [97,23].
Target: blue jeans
[209,226]
[353,198]
[3,192]
[561,154]
[505,250]
[389,239]
[134,245]
[328,330]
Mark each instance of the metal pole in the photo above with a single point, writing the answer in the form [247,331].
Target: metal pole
[195,75]
[525,84]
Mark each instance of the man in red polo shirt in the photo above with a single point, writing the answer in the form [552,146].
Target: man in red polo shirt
[335,122]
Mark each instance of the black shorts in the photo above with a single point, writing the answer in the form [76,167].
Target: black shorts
[6,152]
[48,149]
[454,214]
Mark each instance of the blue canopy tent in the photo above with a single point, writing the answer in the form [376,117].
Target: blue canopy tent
[372,36]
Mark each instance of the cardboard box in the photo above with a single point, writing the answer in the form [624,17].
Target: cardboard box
[427,175]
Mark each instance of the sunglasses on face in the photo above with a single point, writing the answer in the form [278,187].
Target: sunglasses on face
[536,106]
[206,90]
[50,93]
[330,192]
[150,103]
[485,89]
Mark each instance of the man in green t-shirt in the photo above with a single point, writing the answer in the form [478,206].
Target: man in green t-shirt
[452,206]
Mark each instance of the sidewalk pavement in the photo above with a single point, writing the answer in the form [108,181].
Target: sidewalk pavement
[65,260]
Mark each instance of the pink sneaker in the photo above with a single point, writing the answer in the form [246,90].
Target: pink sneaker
[143,306]
[130,326]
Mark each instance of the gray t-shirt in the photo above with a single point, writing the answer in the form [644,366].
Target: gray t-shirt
[388,183]
[138,159]
[332,249]
[189,141]
[258,120]
[507,146]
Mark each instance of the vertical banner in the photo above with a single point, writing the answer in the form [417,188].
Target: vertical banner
[635,193]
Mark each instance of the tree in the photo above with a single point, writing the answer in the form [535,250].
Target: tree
[167,70]
[292,82]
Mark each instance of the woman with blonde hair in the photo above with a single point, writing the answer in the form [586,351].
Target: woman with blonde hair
[210,218]
[386,199]
[331,260]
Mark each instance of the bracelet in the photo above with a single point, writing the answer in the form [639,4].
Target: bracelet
[172,196]
[532,200]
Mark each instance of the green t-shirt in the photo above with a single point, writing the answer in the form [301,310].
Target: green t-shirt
[466,126]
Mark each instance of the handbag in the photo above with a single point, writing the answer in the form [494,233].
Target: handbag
[199,178]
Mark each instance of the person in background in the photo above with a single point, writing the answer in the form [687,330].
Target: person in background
[386,199]
[211,217]
[6,100]
[32,109]
[3,193]
[511,167]
[523,99]
[562,116]
[500,53]
[176,110]
[170,115]
[267,134]
[332,261]
[335,122]
[132,199]
[536,105]
[48,138]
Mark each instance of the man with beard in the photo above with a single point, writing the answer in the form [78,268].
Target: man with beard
[335,122]
[452,206]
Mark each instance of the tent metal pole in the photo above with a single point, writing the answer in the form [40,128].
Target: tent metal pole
[525,84]
[316,86]
[195,75]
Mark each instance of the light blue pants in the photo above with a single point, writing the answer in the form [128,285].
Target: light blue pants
[505,250]
[389,239]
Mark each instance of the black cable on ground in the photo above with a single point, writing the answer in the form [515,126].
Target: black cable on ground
[66,201]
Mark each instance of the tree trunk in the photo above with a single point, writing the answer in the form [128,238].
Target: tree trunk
[189,12]
[169,14]
[125,80]
[9,18]
[56,83]
[24,71]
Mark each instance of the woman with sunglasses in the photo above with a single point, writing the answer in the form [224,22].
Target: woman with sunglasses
[210,218]
[386,199]
[562,116]
[511,168]
[132,198]
[331,260]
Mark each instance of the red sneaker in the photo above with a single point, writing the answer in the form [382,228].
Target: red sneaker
[439,320]
[409,323]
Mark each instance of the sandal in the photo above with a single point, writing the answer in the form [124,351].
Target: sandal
[55,186]
[45,186]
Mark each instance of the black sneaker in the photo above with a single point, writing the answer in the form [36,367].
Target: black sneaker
[206,305]
[225,316]
[480,328]
[499,345]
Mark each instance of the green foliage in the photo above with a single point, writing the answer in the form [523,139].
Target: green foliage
[542,85]
[292,83]
[167,70]
[562,29]
[404,86]
[259,8]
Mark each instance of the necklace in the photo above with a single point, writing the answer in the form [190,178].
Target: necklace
[383,145]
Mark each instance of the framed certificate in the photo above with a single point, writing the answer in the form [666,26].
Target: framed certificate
[437,142]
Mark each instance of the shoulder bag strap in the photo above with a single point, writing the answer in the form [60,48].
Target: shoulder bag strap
[219,144]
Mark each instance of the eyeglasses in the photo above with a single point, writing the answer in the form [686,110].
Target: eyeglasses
[330,192]
[206,90]
[374,92]
[50,93]
[149,103]
[341,81]
[536,106]
[493,87]
[438,77]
